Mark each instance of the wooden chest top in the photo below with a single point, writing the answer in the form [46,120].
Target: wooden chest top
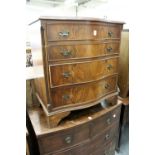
[80,117]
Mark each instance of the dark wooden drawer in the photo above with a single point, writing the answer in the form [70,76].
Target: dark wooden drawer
[98,146]
[83,149]
[109,135]
[108,149]
[83,94]
[58,51]
[62,140]
[82,72]
[57,31]
[104,121]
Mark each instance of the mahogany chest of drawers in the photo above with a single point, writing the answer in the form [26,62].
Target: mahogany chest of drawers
[91,131]
[79,58]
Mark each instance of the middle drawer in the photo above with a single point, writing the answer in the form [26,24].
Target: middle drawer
[61,51]
[82,72]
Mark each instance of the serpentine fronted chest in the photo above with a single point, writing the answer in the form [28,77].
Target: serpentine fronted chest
[79,58]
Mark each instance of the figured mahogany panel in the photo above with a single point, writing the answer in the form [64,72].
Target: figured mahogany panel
[71,31]
[81,31]
[82,72]
[82,94]
[77,51]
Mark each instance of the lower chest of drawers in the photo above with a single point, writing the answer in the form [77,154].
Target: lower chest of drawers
[95,137]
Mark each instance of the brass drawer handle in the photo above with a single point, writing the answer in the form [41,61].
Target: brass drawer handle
[66,53]
[107,136]
[66,74]
[109,49]
[68,139]
[109,121]
[109,67]
[107,86]
[66,97]
[64,34]
[110,34]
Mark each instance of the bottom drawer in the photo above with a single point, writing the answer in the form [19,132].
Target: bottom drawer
[108,149]
[82,94]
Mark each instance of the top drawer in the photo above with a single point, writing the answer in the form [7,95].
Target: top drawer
[65,139]
[106,120]
[57,31]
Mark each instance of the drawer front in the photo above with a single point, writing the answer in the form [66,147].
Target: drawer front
[83,94]
[108,149]
[106,137]
[63,52]
[112,48]
[113,31]
[57,31]
[65,139]
[105,121]
[82,72]
[83,149]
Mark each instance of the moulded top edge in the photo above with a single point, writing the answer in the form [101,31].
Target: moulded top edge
[79,19]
